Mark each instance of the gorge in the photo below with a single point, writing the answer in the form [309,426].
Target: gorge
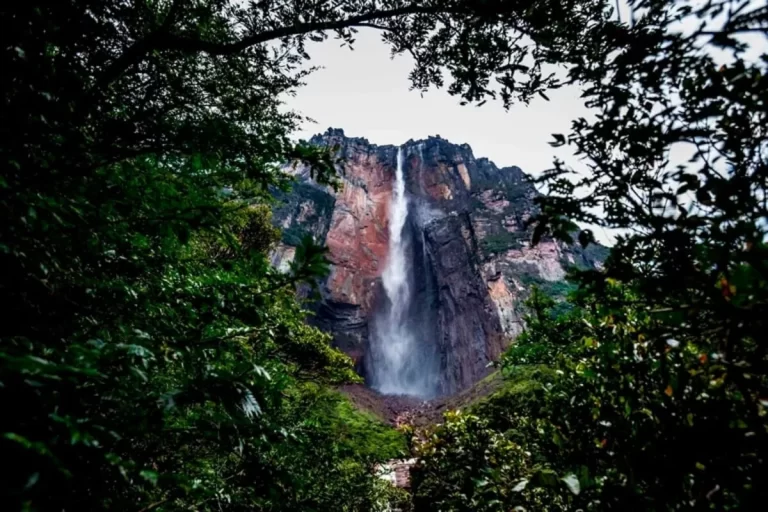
[430,259]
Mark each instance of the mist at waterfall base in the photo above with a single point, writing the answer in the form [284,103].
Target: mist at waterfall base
[404,361]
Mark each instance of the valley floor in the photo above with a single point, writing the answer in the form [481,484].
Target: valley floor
[399,410]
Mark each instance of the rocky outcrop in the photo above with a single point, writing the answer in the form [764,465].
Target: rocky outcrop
[468,242]
[470,334]
[397,472]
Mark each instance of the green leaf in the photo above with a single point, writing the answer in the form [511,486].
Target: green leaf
[149,475]
[572,482]
[520,486]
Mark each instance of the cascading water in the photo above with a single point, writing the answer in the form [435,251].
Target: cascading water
[402,362]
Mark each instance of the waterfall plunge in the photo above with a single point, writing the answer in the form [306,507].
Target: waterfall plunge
[402,362]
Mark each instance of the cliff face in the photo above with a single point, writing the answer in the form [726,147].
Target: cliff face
[470,256]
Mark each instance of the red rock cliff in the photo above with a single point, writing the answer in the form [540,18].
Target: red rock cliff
[471,256]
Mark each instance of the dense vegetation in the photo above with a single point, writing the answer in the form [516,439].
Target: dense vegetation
[596,416]
[649,393]
[150,358]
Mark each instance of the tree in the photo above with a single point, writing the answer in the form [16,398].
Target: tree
[659,399]
[694,246]
[152,358]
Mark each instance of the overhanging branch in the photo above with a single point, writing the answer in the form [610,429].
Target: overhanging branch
[162,39]
[198,45]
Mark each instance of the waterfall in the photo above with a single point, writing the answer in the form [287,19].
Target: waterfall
[395,277]
[399,357]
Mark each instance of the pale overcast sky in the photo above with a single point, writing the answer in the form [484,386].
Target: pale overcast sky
[367,94]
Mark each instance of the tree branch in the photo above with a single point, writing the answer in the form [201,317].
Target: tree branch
[136,52]
[374,25]
[197,45]
[154,505]
[163,40]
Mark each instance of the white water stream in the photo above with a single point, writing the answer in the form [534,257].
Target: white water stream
[397,354]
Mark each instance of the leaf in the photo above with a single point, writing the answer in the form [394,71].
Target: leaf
[32,480]
[519,486]
[572,482]
[559,140]
[704,197]
[586,237]
[538,232]
[545,478]
[149,476]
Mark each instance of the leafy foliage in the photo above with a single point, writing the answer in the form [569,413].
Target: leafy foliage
[471,467]
[693,258]
[613,415]
[657,396]
[151,356]
[152,359]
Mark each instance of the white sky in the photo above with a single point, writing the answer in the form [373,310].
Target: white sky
[368,95]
